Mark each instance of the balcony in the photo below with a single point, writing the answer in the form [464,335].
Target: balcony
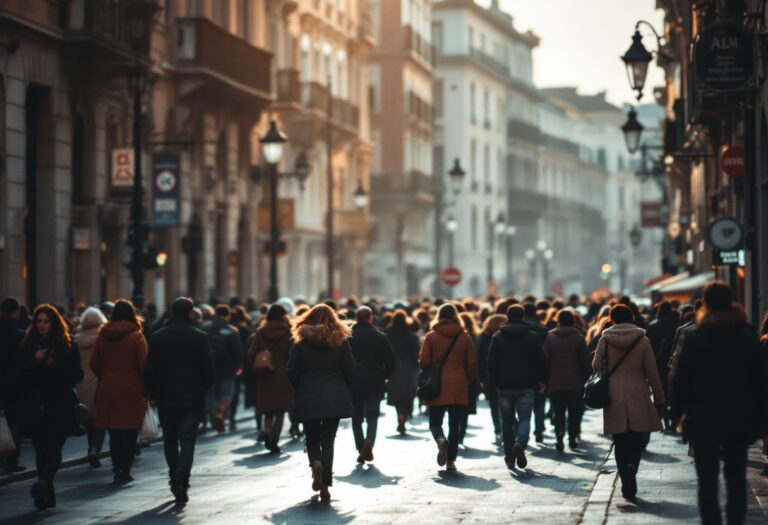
[420,49]
[520,130]
[418,109]
[310,123]
[490,62]
[288,87]
[414,189]
[218,65]
[365,30]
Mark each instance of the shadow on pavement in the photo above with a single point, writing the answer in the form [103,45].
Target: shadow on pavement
[545,481]
[655,457]
[475,453]
[406,437]
[248,449]
[460,480]
[265,459]
[312,511]
[369,477]
[662,509]
[167,512]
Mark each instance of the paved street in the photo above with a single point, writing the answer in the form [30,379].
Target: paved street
[234,481]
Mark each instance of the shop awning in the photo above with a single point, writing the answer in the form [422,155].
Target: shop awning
[658,285]
[690,284]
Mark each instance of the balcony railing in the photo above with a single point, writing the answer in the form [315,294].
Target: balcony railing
[489,61]
[416,44]
[518,129]
[205,46]
[345,113]
[419,108]
[420,182]
[288,86]
[314,96]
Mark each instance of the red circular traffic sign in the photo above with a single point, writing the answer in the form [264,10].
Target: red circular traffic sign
[450,276]
[732,161]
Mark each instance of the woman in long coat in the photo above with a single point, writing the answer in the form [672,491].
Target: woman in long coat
[90,323]
[631,414]
[459,370]
[401,387]
[321,368]
[118,361]
[49,370]
[274,392]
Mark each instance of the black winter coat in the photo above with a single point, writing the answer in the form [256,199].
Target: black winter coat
[401,387]
[721,379]
[321,377]
[661,333]
[179,369]
[537,328]
[10,347]
[516,358]
[374,358]
[226,348]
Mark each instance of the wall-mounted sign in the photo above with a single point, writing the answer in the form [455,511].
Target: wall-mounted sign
[653,215]
[724,58]
[729,258]
[725,234]
[286,214]
[732,161]
[81,238]
[122,168]
[166,195]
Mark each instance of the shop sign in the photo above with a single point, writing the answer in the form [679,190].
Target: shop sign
[724,58]
[166,195]
[122,168]
[729,258]
[653,215]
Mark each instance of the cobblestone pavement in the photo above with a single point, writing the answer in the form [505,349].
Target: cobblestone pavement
[236,481]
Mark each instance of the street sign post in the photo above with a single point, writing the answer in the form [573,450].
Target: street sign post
[450,277]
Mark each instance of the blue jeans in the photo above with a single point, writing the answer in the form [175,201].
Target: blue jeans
[515,431]
[179,437]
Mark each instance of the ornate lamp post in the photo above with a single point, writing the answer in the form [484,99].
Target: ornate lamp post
[633,131]
[272,147]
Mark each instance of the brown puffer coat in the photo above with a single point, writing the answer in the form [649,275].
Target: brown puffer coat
[459,370]
[631,407]
[568,360]
[274,392]
[118,360]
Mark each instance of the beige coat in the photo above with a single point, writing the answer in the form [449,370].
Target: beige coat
[86,389]
[631,407]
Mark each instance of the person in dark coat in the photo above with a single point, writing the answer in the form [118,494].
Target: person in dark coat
[719,396]
[375,364]
[539,397]
[401,387]
[490,327]
[274,392]
[11,336]
[569,368]
[49,370]
[321,368]
[178,374]
[242,321]
[661,332]
[517,367]
[224,341]
[456,374]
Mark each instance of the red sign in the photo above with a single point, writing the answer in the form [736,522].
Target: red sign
[732,161]
[450,277]
[651,215]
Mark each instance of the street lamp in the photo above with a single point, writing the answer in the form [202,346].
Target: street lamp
[457,176]
[272,147]
[360,196]
[633,130]
[511,232]
[635,236]
[636,60]
[451,225]
[541,246]
[302,168]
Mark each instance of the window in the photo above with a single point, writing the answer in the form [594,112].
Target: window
[472,113]
[487,168]
[437,36]
[437,97]
[471,38]
[473,228]
[473,162]
[486,109]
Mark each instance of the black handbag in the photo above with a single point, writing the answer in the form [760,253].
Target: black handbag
[429,378]
[597,392]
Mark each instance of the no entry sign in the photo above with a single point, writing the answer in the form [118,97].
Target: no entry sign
[732,161]
[450,276]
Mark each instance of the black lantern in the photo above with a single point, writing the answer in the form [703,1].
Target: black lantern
[635,236]
[361,196]
[457,176]
[633,130]
[272,144]
[637,59]
[302,168]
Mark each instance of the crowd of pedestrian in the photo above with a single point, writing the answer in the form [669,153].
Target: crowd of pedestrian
[698,369]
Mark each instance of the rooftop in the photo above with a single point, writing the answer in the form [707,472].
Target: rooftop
[583,103]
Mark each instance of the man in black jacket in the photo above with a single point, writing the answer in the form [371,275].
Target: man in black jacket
[375,364]
[178,374]
[10,343]
[516,365]
[226,349]
[539,397]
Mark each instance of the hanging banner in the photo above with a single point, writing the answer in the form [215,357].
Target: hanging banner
[166,195]
[122,168]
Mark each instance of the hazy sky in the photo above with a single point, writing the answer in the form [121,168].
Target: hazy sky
[581,42]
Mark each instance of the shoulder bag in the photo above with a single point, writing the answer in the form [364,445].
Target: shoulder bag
[429,378]
[597,394]
[263,363]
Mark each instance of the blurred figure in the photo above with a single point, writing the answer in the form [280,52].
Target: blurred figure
[539,396]
[491,326]
[569,367]
[178,374]
[49,371]
[118,359]
[11,336]
[473,390]
[401,387]
[224,341]
[242,321]
[375,364]
[274,392]
[322,369]
[719,396]
[631,414]
[90,323]
[448,338]
[661,333]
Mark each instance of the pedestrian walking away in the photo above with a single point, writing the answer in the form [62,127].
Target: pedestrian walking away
[178,374]
[517,367]
[375,364]
[321,369]
[274,392]
[118,360]
[719,398]
[11,336]
[492,325]
[448,343]
[631,414]
[401,387]
[49,370]
[539,396]
[224,341]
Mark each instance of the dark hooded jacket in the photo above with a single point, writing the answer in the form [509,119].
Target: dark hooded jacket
[10,344]
[226,349]
[401,387]
[491,326]
[516,359]
[720,381]
[374,358]
[568,360]
[661,333]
